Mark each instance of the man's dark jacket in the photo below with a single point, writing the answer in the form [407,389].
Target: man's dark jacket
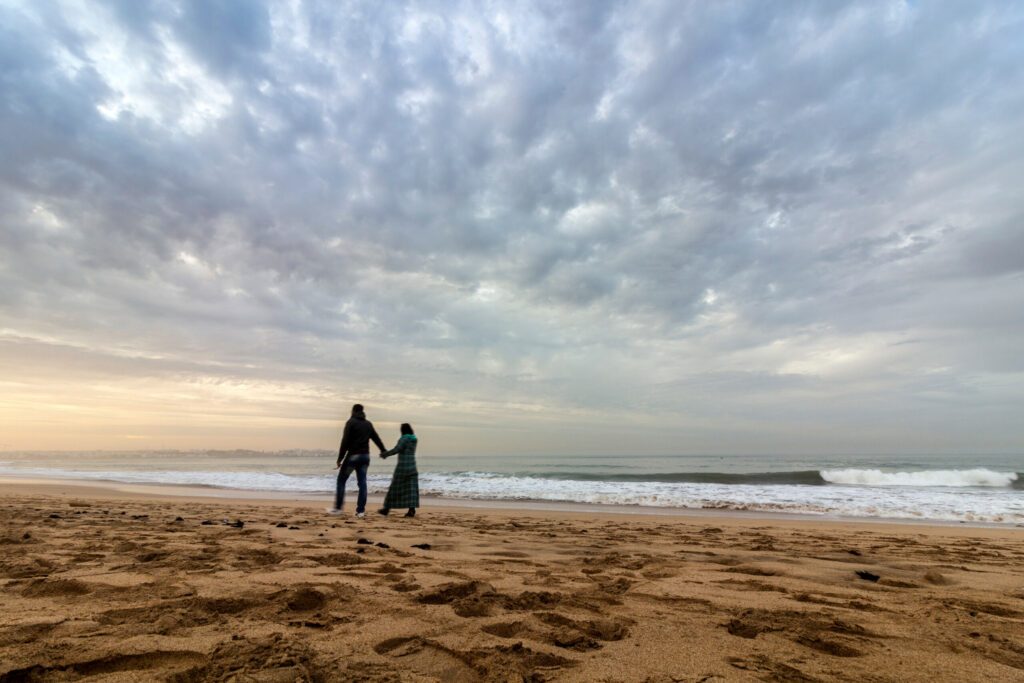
[357,436]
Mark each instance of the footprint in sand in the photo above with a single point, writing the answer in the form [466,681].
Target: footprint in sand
[750,570]
[564,632]
[832,637]
[43,588]
[274,658]
[468,598]
[28,632]
[750,585]
[162,661]
[430,658]
[776,671]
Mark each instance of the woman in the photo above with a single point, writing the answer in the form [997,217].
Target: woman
[404,491]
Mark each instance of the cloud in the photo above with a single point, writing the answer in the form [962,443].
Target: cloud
[757,227]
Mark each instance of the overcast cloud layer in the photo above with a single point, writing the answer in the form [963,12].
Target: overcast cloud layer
[705,227]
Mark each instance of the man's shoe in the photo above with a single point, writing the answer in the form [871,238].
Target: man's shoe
[383,511]
[335,511]
[410,513]
[360,514]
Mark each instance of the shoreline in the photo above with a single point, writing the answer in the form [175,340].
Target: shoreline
[199,493]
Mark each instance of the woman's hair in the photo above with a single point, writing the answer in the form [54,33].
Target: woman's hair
[407,428]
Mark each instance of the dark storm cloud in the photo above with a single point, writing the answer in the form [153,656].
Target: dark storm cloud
[686,207]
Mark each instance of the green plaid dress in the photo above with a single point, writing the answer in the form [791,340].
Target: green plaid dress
[404,491]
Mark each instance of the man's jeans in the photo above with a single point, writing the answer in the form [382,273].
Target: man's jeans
[357,464]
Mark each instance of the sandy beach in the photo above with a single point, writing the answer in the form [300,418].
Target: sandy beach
[124,585]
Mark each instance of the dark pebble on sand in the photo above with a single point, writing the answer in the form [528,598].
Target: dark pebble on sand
[282,525]
[206,522]
[854,551]
[238,524]
[321,535]
[26,536]
[868,576]
[364,541]
[293,528]
[383,545]
[55,517]
[179,519]
[360,550]
[422,546]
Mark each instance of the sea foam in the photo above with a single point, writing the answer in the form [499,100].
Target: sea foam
[955,478]
[978,495]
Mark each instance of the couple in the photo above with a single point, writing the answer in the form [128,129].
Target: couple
[354,456]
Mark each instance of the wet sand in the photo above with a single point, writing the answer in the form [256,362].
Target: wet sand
[141,584]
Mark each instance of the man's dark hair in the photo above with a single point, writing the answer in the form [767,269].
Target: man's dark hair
[406,428]
[357,408]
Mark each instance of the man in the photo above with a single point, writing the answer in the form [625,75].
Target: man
[354,456]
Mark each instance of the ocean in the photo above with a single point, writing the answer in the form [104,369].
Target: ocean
[986,489]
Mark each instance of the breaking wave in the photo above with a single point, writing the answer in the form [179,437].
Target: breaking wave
[978,477]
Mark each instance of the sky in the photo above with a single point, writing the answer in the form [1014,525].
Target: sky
[524,227]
